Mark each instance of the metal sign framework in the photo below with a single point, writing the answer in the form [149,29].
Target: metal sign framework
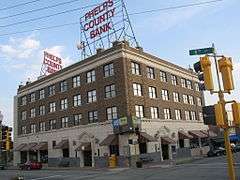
[94,34]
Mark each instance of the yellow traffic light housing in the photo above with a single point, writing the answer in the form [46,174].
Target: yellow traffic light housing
[226,67]
[236,113]
[207,72]
[219,115]
[8,140]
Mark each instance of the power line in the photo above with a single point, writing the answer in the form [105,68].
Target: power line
[17,5]
[39,9]
[131,14]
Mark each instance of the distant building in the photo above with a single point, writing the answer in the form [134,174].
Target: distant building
[92,109]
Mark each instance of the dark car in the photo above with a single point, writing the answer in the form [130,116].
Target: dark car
[31,166]
[216,152]
[236,148]
[2,166]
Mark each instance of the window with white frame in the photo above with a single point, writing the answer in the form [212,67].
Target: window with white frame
[64,122]
[200,116]
[163,76]
[51,90]
[112,113]
[137,89]
[135,68]
[41,110]
[199,101]
[154,112]
[76,81]
[52,107]
[152,92]
[52,124]
[108,70]
[165,95]
[42,126]
[92,96]
[183,82]
[77,119]
[167,113]
[63,86]
[197,87]
[110,91]
[91,76]
[174,80]
[187,115]
[193,115]
[150,73]
[77,100]
[33,128]
[178,114]
[185,99]
[24,129]
[32,97]
[176,97]
[42,94]
[24,100]
[32,112]
[189,84]
[92,116]
[139,111]
[24,115]
[190,100]
[64,104]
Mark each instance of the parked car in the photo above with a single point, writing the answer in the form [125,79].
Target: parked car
[2,166]
[31,166]
[236,148]
[220,151]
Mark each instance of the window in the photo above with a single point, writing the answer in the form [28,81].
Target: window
[163,76]
[42,126]
[190,100]
[199,101]
[64,104]
[110,91]
[32,113]
[178,114]
[112,113]
[200,116]
[24,115]
[108,70]
[154,112]
[137,89]
[165,96]
[167,113]
[92,116]
[91,76]
[77,100]
[187,115]
[76,81]
[135,68]
[189,84]
[152,92]
[193,115]
[24,130]
[176,97]
[32,97]
[63,86]
[24,100]
[139,111]
[174,79]
[150,73]
[51,90]
[42,94]
[52,124]
[33,128]
[183,82]
[42,110]
[64,122]
[92,96]
[77,119]
[52,107]
[185,99]
[197,87]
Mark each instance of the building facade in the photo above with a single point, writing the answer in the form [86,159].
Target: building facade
[67,118]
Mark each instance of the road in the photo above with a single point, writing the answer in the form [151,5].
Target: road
[203,169]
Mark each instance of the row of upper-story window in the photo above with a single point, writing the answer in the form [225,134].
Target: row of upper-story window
[151,74]
[108,70]
[110,92]
[152,93]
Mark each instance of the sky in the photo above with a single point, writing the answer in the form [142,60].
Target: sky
[168,34]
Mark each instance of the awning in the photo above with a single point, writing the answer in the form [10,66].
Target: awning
[111,139]
[29,147]
[64,144]
[147,137]
[84,146]
[41,146]
[197,134]
[167,140]
[184,135]
[209,133]
[20,147]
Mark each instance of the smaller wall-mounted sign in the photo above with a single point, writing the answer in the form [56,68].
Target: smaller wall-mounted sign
[51,64]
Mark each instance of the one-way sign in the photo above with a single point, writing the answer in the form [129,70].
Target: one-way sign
[201,51]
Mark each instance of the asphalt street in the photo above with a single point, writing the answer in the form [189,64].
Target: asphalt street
[203,169]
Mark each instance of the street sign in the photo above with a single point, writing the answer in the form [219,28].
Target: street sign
[201,51]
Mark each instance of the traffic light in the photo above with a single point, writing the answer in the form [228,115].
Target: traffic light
[219,114]
[204,66]
[236,113]
[226,67]
[8,139]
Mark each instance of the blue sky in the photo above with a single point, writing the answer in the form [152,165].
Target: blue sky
[167,34]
